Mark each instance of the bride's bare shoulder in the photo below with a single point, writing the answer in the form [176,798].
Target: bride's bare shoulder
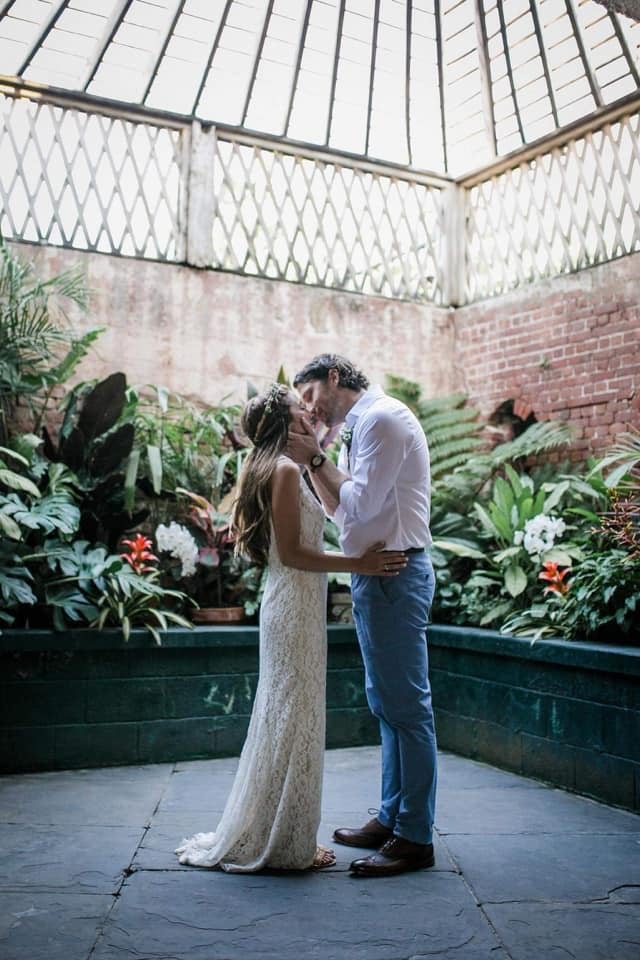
[285,464]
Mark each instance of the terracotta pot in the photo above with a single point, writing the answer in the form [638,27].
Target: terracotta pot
[218,615]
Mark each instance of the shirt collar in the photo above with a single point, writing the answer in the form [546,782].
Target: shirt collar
[363,403]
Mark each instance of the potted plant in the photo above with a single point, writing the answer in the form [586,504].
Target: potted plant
[200,554]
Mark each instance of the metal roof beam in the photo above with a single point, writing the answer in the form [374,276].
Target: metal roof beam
[533,6]
[334,72]
[55,12]
[589,72]
[212,53]
[296,72]
[622,40]
[407,79]
[256,62]
[484,62]
[372,69]
[507,58]
[439,49]
[172,20]
[118,14]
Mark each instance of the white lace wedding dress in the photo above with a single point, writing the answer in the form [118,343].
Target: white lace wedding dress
[272,815]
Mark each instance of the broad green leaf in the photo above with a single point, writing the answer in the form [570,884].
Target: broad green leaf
[459,548]
[16,482]
[556,495]
[558,555]
[486,520]
[9,527]
[515,579]
[495,613]
[15,456]
[130,480]
[155,467]
[509,552]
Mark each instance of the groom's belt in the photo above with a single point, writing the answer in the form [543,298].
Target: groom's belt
[414,550]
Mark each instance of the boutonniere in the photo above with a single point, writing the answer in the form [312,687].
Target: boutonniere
[346,434]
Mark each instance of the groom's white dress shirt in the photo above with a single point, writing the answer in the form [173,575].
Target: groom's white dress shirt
[388,495]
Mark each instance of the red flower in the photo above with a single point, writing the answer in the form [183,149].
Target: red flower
[555,578]
[139,553]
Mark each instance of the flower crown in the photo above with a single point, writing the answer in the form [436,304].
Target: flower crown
[276,392]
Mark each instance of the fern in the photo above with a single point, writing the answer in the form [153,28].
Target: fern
[452,429]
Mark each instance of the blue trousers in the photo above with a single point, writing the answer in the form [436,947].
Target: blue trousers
[391,615]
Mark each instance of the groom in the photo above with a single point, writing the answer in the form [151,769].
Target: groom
[380,491]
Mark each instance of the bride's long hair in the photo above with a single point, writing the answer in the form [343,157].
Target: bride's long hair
[265,421]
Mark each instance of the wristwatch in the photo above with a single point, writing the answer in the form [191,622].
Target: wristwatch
[316,461]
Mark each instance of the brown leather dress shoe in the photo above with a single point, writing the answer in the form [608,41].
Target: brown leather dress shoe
[395,856]
[371,836]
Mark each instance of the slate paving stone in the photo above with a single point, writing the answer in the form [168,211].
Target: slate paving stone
[569,869]
[50,926]
[523,810]
[523,872]
[461,773]
[110,796]
[551,932]
[156,852]
[72,859]
[208,915]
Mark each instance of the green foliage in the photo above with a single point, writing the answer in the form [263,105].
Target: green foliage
[36,503]
[624,457]
[38,349]
[91,586]
[95,442]
[178,444]
[452,429]
[604,596]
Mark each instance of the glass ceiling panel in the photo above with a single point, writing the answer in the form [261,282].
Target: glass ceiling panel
[440,85]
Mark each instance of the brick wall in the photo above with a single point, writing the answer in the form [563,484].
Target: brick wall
[566,348]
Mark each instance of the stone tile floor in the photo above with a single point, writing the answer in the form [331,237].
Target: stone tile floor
[523,871]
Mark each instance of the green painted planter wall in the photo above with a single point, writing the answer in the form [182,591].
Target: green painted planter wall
[85,698]
[568,713]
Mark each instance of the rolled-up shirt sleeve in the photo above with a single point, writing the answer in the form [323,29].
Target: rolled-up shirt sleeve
[381,451]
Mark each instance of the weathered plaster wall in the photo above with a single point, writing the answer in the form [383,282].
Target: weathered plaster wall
[565,348]
[203,333]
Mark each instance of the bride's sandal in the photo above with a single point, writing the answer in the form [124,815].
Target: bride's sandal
[323,858]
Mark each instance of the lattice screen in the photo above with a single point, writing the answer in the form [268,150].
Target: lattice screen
[565,210]
[88,181]
[118,185]
[317,222]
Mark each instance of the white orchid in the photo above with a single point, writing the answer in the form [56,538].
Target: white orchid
[176,540]
[539,534]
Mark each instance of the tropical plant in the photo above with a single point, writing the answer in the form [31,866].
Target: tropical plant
[37,502]
[219,577]
[179,444]
[520,527]
[601,592]
[95,441]
[453,430]
[38,348]
[89,585]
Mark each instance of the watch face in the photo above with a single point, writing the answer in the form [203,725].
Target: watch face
[317,459]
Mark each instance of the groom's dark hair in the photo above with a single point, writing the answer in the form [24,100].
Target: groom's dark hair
[318,369]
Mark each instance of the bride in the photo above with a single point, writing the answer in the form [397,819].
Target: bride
[272,815]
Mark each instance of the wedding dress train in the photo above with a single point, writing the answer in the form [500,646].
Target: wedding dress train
[272,815]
